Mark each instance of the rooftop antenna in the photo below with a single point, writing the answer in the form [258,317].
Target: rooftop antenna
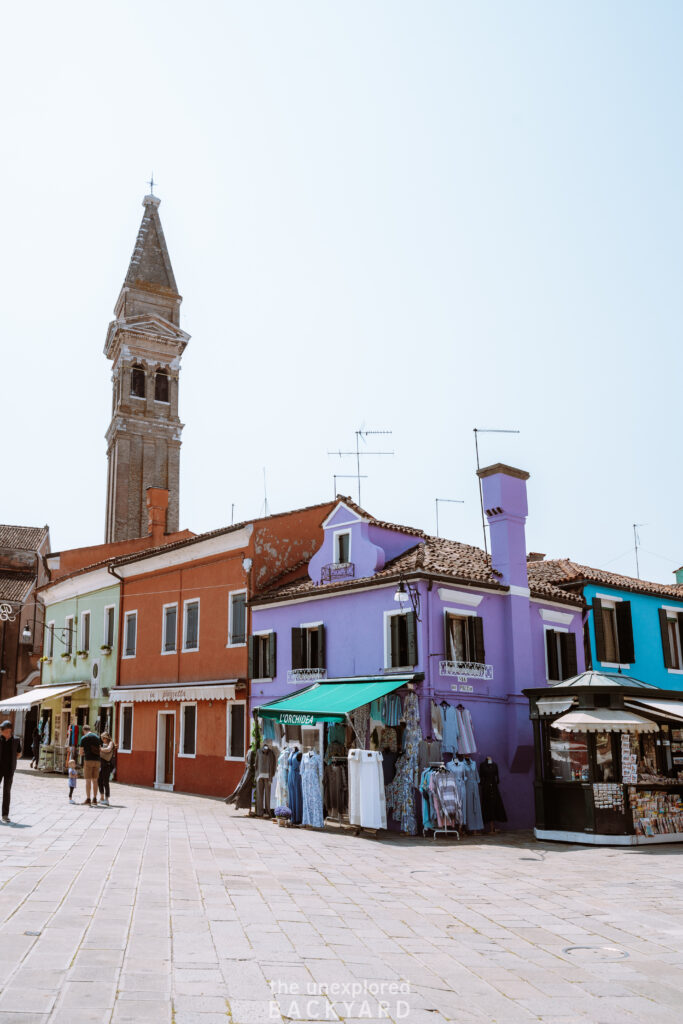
[344,476]
[636,543]
[358,454]
[477,431]
[451,501]
[232,514]
[265,493]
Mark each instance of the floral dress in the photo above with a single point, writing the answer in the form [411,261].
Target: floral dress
[401,791]
[311,787]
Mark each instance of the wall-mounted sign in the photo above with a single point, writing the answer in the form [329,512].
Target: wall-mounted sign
[294,719]
[462,688]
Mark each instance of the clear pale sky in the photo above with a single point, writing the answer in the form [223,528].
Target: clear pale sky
[423,217]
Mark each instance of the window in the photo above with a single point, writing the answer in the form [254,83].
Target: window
[50,639]
[109,626]
[401,639]
[237,619]
[342,547]
[125,728]
[604,757]
[464,640]
[188,730]
[69,634]
[671,626]
[568,755]
[262,663]
[560,654]
[85,631]
[137,381]
[234,746]
[130,633]
[308,646]
[191,626]
[169,628]
[613,631]
[161,386]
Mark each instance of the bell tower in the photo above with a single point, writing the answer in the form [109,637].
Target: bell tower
[145,344]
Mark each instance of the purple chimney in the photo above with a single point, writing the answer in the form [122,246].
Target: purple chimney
[505,504]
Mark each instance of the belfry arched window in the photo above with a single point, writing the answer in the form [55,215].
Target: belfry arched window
[161,386]
[137,381]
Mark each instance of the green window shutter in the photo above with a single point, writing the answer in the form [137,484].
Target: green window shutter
[448,654]
[272,665]
[568,650]
[551,651]
[250,661]
[394,641]
[625,633]
[321,647]
[599,630]
[411,629]
[664,630]
[476,625]
[297,647]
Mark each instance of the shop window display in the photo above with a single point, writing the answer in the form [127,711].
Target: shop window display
[568,753]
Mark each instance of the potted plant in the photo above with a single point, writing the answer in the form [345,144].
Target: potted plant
[65,656]
[82,654]
[105,648]
[283,815]
[46,659]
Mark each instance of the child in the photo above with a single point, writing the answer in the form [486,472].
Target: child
[73,778]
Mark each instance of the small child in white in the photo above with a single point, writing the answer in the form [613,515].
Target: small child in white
[73,779]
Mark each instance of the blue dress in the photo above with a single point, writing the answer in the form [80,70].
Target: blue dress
[294,786]
[472,805]
[311,787]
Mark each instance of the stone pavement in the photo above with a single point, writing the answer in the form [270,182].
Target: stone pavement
[171,908]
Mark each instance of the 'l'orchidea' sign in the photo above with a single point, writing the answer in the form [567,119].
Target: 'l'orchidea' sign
[294,719]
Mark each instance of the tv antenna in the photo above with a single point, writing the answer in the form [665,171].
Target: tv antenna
[636,544]
[265,493]
[358,454]
[477,431]
[450,501]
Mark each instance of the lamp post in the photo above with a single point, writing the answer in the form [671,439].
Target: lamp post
[408,593]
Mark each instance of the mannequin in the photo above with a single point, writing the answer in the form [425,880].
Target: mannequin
[294,785]
[265,769]
[492,806]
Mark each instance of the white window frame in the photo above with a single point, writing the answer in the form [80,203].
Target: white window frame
[69,631]
[262,679]
[610,603]
[190,600]
[121,749]
[231,594]
[105,640]
[387,636]
[85,615]
[133,613]
[335,548]
[187,704]
[171,604]
[51,638]
[228,729]
[555,629]
[672,616]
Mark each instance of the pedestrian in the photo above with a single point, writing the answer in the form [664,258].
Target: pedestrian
[10,749]
[35,747]
[106,766]
[90,745]
[73,779]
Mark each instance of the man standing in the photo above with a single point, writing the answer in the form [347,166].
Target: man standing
[90,745]
[10,749]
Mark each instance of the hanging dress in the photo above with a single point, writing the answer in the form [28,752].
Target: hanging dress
[492,807]
[294,786]
[281,791]
[457,770]
[473,818]
[311,789]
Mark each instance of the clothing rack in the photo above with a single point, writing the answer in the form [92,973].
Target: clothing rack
[440,766]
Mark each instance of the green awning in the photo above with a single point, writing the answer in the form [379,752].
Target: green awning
[329,701]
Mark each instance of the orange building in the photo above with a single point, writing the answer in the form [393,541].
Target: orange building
[182,690]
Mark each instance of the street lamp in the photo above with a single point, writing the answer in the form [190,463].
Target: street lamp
[408,593]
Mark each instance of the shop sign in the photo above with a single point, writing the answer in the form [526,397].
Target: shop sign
[462,688]
[294,719]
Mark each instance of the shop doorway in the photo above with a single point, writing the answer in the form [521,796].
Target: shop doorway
[104,721]
[165,750]
[30,723]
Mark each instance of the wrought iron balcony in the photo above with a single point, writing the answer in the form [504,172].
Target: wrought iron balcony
[466,669]
[306,675]
[337,571]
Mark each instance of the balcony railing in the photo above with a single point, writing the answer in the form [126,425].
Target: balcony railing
[466,669]
[306,675]
[337,571]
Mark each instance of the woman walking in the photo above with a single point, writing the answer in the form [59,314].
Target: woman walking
[106,765]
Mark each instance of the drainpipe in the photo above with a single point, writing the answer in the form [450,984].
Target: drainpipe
[113,572]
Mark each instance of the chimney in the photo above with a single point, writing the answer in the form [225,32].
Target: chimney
[505,504]
[678,573]
[157,507]
[536,556]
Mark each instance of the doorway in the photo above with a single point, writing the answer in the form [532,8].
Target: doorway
[165,750]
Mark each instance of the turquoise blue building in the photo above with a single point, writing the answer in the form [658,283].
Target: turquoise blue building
[631,627]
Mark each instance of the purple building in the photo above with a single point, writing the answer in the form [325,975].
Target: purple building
[383,602]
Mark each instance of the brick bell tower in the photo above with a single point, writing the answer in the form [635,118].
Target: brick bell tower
[145,344]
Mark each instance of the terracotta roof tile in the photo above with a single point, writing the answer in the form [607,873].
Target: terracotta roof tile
[15,586]
[565,572]
[25,538]
[379,522]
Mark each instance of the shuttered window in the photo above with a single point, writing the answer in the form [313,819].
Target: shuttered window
[402,640]
[85,631]
[308,647]
[560,654]
[126,728]
[262,656]
[109,626]
[130,634]
[235,741]
[671,626]
[237,626]
[464,638]
[69,634]
[188,727]
[170,628]
[191,626]
[613,631]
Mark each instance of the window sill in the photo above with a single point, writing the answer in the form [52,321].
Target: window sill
[228,645]
[613,664]
[675,671]
[265,679]
[188,757]
[122,751]
[240,759]
[127,657]
[190,650]
[163,653]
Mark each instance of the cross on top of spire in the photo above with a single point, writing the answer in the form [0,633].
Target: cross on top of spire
[151,184]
